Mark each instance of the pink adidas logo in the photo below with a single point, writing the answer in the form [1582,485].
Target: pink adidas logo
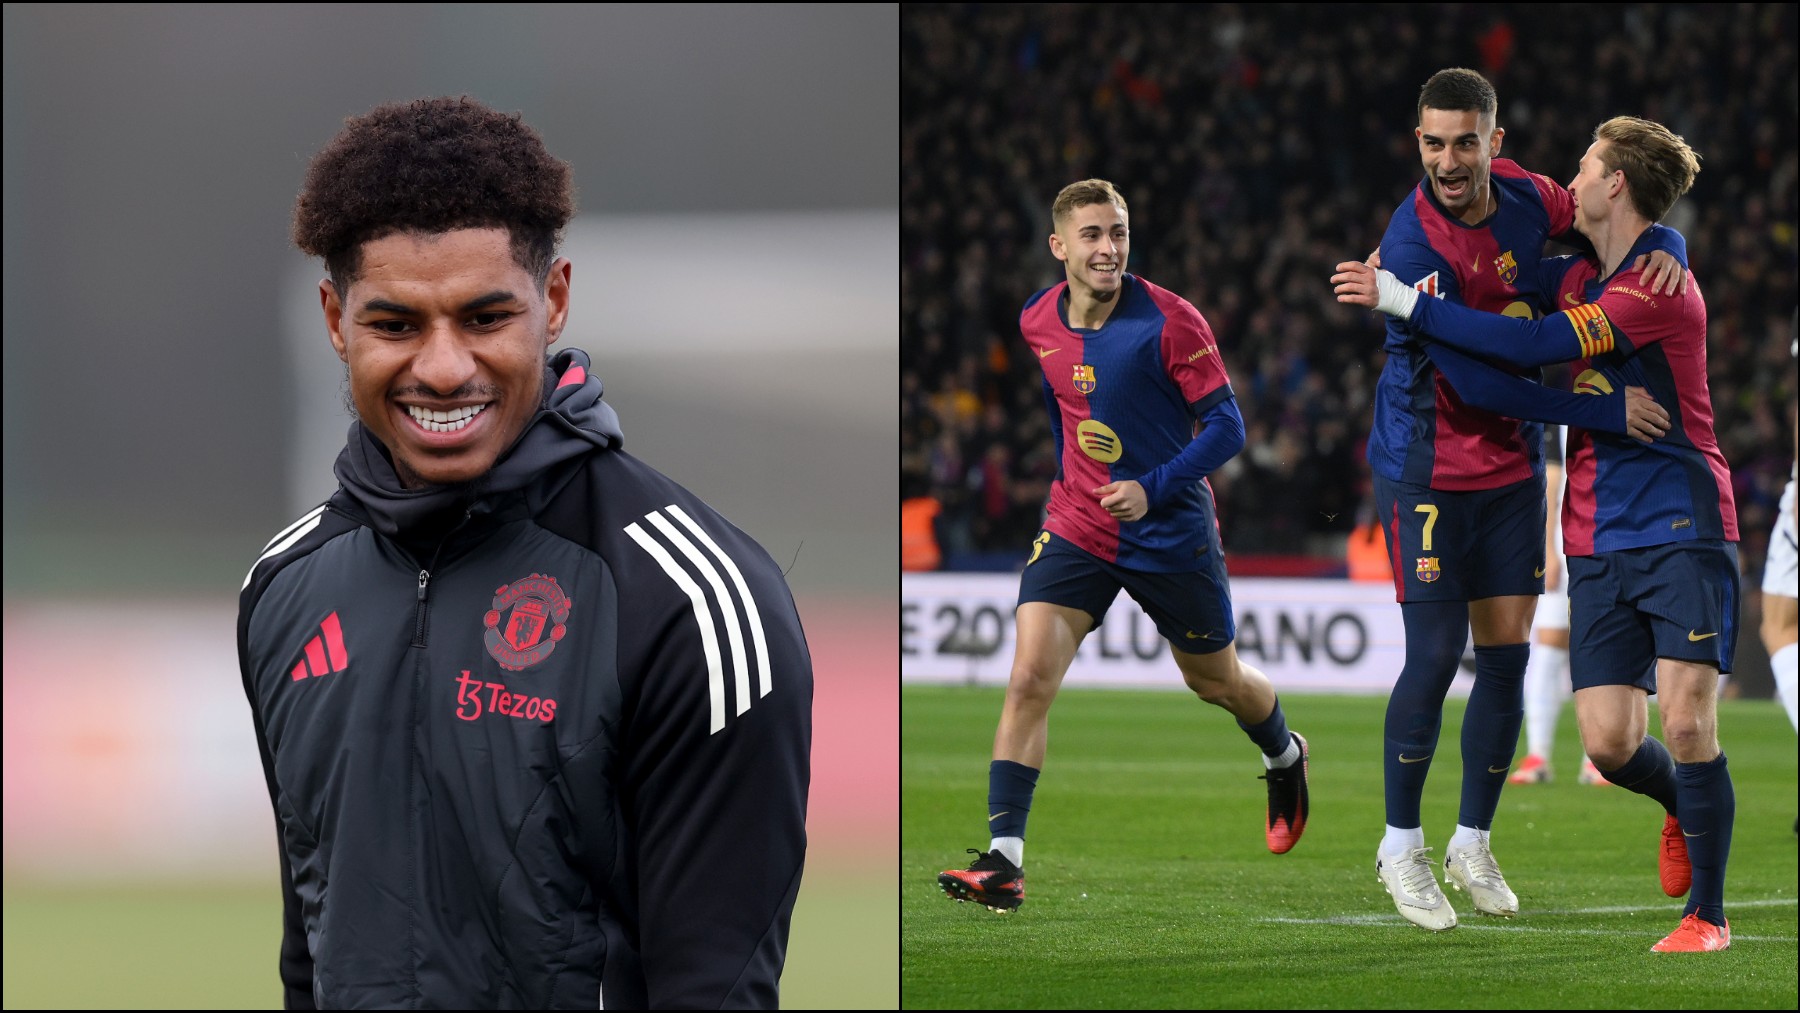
[329,646]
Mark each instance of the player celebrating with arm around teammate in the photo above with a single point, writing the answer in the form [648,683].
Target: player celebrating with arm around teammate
[1460,492]
[1649,528]
[1131,371]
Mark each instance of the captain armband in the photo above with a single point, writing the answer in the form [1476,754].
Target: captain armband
[1592,329]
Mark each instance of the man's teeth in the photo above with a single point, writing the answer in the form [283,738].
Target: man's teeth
[444,422]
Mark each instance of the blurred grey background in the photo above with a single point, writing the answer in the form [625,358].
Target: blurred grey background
[152,155]
[171,402]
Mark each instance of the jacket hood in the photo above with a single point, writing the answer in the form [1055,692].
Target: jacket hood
[573,423]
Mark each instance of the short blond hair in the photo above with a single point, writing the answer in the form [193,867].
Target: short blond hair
[1080,195]
[1659,166]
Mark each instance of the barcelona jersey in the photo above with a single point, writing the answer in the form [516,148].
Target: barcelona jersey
[1124,398]
[1424,434]
[1623,494]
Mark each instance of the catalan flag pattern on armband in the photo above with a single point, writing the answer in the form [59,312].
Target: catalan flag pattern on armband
[1592,329]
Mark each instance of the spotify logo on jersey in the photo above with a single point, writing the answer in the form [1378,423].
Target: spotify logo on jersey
[1098,442]
[1592,381]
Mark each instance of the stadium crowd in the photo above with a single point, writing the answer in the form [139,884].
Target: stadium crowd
[1257,147]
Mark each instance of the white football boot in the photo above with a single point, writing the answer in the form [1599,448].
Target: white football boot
[1474,870]
[1409,880]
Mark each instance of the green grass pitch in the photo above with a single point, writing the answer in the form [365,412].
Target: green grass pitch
[186,946]
[1149,885]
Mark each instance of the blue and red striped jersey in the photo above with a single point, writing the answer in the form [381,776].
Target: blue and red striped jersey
[1424,433]
[1624,494]
[1125,397]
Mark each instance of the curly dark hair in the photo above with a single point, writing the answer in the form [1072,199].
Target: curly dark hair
[432,165]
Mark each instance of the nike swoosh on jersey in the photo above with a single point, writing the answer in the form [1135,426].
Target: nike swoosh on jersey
[1048,352]
[1416,759]
[1697,637]
[1569,297]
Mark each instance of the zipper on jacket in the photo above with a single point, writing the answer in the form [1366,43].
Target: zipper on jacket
[419,627]
[424,615]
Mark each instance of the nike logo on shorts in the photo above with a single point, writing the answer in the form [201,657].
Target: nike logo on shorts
[1697,637]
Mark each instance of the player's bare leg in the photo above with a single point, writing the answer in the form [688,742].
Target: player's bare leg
[1614,722]
[1504,619]
[1046,638]
[1222,678]
[1687,698]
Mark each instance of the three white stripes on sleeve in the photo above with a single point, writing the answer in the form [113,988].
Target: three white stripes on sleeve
[704,605]
[285,539]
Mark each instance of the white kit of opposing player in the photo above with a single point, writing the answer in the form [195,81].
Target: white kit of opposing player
[1780,577]
[1781,585]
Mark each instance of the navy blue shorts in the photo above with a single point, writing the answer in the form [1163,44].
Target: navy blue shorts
[1463,546]
[1630,607]
[1191,610]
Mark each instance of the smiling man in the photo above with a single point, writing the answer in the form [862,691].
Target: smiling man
[1650,526]
[534,719]
[1142,411]
[1460,493]
[1460,489]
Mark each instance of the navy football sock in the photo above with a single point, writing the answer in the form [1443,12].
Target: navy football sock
[1009,797]
[1650,771]
[1435,632]
[1271,733]
[1490,731]
[1706,806]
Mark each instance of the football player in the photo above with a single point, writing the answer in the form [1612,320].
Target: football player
[1650,529]
[1781,609]
[1142,412]
[1459,492]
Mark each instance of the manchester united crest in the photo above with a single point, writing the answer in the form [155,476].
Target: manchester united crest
[1084,378]
[526,621]
[1427,570]
[1507,266]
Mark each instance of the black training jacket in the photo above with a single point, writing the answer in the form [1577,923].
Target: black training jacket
[537,742]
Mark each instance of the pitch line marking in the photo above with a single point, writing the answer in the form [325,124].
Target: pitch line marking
[1736,937]
[1396,919]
